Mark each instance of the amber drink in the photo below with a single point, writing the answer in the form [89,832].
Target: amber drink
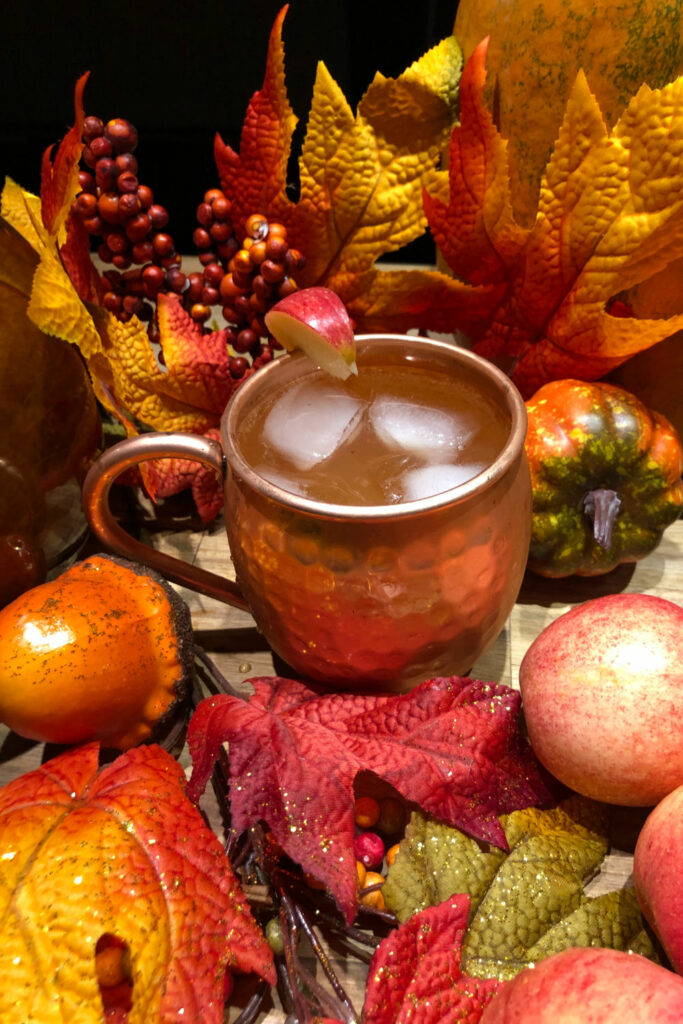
[390,435]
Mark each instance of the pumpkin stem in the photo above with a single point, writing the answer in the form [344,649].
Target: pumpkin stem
[602,506]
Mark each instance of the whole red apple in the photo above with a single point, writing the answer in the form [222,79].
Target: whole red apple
[657,869]
[602,694]
[589,986]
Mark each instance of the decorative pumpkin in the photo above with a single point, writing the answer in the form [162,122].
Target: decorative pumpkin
[104,652]
[605,474]
[535,51]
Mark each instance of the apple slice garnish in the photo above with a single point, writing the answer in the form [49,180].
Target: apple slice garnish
[316,321]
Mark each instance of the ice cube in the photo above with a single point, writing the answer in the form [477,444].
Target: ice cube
[415,428]
[287,483]
[435,478]
[309,422]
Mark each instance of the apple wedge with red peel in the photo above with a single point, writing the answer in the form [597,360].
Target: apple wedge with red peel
[315,320]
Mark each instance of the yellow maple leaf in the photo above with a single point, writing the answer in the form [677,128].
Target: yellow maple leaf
[610,214]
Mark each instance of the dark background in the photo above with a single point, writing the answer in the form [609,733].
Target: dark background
[182,71]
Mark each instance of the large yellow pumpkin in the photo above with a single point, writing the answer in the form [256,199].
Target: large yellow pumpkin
[535,51]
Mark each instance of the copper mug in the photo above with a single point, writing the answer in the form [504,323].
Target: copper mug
[355,597]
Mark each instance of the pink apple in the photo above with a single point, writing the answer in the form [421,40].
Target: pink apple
[589,986]
[657,870]
[602,694]
[315,320]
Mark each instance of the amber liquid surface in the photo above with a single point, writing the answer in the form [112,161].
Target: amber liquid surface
[391,435]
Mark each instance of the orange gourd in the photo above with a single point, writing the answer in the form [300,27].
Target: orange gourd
[104,652]
[535,51]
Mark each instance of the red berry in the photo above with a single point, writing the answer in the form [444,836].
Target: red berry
[272,271]
[238,366]
[121,260]
[213,273]
[126,162]
[201,238]
[92,127]
[153,277]
[138,227]
[158,216]
[108,207]
[212,195]
[86,181]
[99,147]
[221,207]
[122,135]
[205,215]
[220,231]
[368,848]
[117,241]
[276,247]
[105,173]
[86,204]
[146,196]
[176,280]
[112,302]
[244,340]
[195,285]
[366,811]
[163,244]
[94,225]
[129,206]
[286,287]
[143,252]
[210,295]
[128,182]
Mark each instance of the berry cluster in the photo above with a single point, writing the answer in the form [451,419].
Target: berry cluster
[244,279]
[116,207]
[379,827]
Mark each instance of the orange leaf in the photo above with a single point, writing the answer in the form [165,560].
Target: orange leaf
[255,178]
[117,852]
[59,180]
[610,215]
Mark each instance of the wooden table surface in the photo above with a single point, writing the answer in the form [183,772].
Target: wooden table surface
[239,651]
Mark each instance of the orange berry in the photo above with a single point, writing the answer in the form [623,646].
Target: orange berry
[391,854]
[362,872]
[366,811]
[112,966]
[374,898]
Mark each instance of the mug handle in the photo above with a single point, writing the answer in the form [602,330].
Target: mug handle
[121,456]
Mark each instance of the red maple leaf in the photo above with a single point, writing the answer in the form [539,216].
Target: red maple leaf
[451,745]
[415,974]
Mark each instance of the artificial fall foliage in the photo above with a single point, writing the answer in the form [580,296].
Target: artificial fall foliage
[118,851]
[610,214]
[526,903]
[537,301]
[452,746]
[415,974]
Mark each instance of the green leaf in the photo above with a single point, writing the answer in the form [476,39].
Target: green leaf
[527,904]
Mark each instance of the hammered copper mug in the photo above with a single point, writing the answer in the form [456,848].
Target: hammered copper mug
[354,597]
